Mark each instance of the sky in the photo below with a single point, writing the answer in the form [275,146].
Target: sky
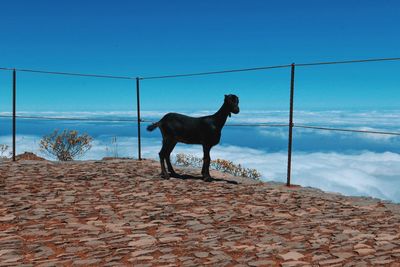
[146,38]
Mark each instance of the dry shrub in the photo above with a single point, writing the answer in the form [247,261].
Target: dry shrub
[112,151]
[221,165]
[4,153]
[65,146]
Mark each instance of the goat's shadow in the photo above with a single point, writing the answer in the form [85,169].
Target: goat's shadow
[194,177]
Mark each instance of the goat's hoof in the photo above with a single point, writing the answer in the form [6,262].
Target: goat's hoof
[207,179]
[174,174]
[164,176]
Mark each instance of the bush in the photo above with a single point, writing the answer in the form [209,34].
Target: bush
[219,165]
[3,151]
[113,150]
[65,146]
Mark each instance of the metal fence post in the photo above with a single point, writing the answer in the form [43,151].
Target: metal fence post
[289,166]
[14,128]
[138,118]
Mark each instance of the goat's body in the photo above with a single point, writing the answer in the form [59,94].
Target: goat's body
[205,131]
[189,130]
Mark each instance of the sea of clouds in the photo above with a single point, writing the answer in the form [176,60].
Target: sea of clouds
[371,168]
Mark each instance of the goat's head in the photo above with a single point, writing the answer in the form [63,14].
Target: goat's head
[232,101]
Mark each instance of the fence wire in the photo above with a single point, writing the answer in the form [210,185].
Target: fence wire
[269,67]
[71,74]
[69,118]
[202,73]
[345,130]
[139,120]
[134,120]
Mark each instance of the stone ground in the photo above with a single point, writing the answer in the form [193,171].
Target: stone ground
[119,212]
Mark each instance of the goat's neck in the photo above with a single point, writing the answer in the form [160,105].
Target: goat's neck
[221,116]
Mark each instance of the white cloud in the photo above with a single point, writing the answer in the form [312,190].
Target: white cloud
[366,173]
[376,137]
[335,117]
[274,132]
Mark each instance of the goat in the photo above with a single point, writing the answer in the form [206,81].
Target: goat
[205,131]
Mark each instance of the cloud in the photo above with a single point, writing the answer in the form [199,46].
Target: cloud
[377,137]
[382,118]
[364,173]
[361,173]
[281,133]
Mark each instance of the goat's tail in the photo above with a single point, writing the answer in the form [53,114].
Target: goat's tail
[151,127]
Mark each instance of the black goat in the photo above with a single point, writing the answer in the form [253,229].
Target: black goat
[205,131]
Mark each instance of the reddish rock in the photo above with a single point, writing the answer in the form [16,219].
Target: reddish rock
[119,212]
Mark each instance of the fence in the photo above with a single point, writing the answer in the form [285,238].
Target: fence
[138,80]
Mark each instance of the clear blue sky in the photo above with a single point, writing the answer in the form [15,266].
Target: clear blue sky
[163,37]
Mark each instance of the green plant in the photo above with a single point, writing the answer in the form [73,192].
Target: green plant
[65,146]
[219,165]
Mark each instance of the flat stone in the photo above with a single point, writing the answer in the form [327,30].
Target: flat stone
[170,239]
[144,226]
[76,249]
[86,262]
[185,201]
[295,263]
[382,262]
[365,251]
[320,257]
[292,255]
[168,257]
[7,218]
[201,254]
[145,258]
[386,237]
[361,245]
[144,242]
[343,255]
[43,252]
[141,252]
[13,258]
[261,263]
[331,261]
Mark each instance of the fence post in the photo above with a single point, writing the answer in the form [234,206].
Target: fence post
[138,117]
[14,128]
[289,166]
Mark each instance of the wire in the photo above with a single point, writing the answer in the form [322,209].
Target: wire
[345,130]
[269,67]
[205,73]
[127,120]
[146,121]
[229,125]
[212,72]
[347,61]
[256,125]
[69,119]
[72,74]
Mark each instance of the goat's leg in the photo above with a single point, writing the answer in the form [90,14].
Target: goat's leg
[162,155]
[171,146]
[205,171]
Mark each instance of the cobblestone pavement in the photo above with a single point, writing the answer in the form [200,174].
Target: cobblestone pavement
[120,212]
